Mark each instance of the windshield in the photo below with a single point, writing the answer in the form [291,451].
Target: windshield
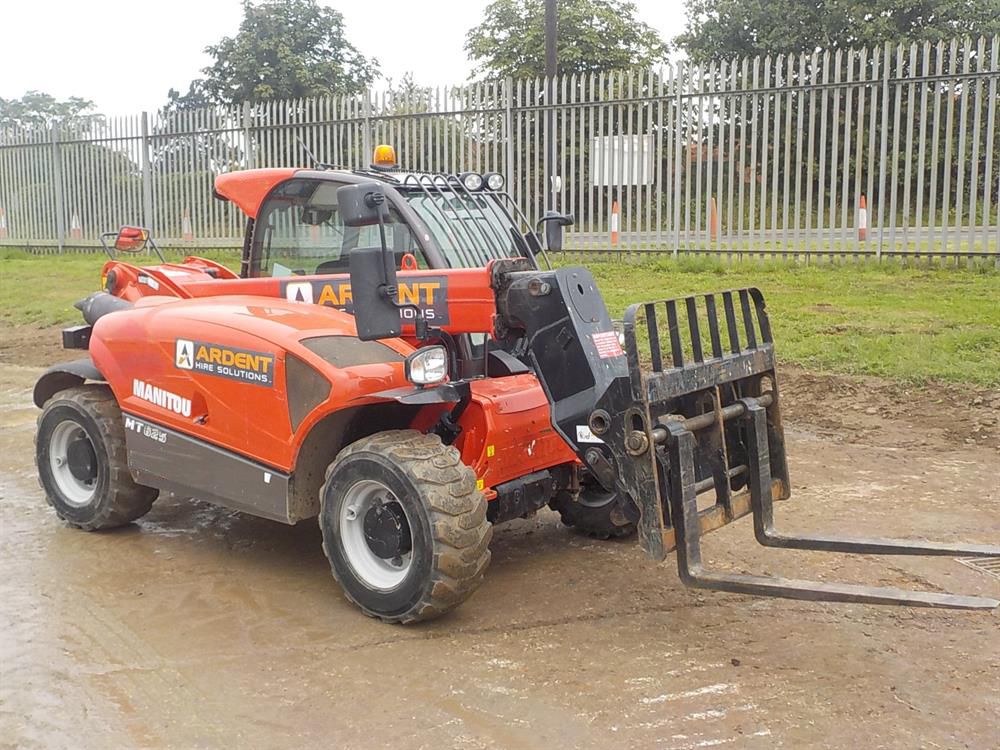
[470,229]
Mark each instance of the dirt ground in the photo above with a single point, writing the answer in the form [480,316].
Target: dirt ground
[199,627]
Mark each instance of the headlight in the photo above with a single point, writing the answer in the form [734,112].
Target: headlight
[427,366]
[494,181]
[472,181]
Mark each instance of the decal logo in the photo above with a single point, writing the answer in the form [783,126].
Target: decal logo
[146,430]
[244,365]
[299,291]
[428,293]
[163,399]
[184,354]
[585,435]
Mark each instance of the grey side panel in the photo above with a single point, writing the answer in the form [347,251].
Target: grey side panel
[170,461]
[62,376]
[306,389]
[347,351]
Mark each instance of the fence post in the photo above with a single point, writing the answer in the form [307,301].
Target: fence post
[367,135]
[883,155]
[249,152]
[679,155]
[508,132]
[58,185]
[147,177]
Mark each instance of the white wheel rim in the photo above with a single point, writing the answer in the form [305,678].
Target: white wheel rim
[374,572]
[75,491]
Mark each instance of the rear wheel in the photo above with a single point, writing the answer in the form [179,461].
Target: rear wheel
[404,527]
[80,455]
[595,512]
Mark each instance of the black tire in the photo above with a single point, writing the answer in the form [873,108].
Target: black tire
[90,416]
[594,512]
[445,520]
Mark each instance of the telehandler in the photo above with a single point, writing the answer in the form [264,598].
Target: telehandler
[393,359]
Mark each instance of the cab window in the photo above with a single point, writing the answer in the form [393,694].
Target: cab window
[299,232]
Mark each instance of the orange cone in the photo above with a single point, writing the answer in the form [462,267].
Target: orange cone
[862,218]
[186,232]
[3,224]
[614,223]
[75,230]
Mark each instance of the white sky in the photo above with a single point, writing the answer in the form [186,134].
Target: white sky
[125,54]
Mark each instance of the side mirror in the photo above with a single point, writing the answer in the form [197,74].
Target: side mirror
[373,269]
[376,314]
[362,205]
[554,223]
[131,240]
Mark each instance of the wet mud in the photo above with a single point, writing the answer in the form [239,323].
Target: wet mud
[198,627]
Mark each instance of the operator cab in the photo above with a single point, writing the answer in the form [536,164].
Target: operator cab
[442,221]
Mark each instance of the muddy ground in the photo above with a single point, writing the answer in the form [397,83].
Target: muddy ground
[199,627]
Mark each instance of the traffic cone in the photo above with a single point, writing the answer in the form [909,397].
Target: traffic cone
[186,232]
[75,230]
[862,218]
[713,226]
[614,223]
[314,233]
[3,224]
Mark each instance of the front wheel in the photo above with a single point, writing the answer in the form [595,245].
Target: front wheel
[404,527]
[80,455]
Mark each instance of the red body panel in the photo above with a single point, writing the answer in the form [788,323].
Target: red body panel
[248,188]
[506,431]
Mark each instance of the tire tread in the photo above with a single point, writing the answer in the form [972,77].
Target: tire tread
[129,500]
[457,510]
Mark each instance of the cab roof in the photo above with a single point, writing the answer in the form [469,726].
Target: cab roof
[249,187]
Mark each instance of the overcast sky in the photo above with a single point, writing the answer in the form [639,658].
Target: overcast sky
[125,55]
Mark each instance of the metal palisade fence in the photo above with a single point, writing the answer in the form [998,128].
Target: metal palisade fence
[871,152]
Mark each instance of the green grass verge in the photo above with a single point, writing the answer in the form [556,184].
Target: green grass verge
[907,323]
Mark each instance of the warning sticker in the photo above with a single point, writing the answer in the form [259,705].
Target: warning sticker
[607,344]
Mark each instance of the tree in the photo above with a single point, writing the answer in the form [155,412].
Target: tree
[37,109]
[594,36]
[285,49]
[726,28]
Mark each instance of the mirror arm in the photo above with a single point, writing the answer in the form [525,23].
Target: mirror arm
[152,243]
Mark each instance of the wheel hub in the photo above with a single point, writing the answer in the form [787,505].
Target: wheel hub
[81,459]
[375,534]
[387,532]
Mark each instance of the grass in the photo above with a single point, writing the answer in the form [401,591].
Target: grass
[906,323]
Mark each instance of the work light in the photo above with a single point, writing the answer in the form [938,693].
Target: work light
[494,180]
[473,181]
[427,366]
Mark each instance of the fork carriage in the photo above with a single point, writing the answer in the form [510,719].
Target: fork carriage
[714,420]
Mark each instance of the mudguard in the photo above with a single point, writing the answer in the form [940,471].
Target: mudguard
[62,376]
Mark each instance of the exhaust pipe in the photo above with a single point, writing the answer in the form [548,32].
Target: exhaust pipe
[99,304]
